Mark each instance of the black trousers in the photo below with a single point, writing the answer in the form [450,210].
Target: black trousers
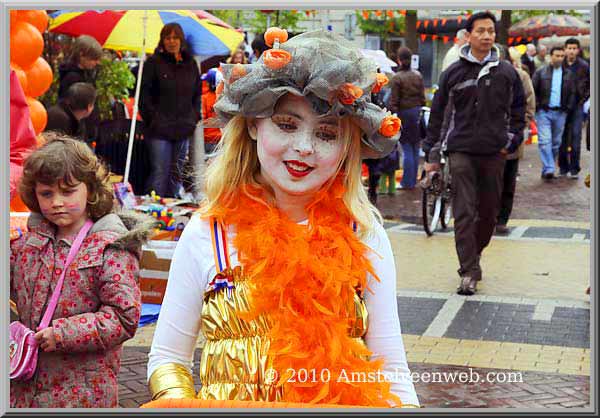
[508,191]
[477,190]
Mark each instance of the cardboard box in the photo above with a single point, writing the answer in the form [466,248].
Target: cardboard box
[154,269]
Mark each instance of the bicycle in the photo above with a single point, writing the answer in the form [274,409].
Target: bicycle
[436,203]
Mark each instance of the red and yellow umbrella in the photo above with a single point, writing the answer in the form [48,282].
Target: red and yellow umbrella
[123,29]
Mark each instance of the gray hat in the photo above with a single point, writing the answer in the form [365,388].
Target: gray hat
[323,68]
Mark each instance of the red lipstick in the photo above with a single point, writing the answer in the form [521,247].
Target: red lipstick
[297,168]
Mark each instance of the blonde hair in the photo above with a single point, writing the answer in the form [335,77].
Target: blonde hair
[237,51]
[236,166]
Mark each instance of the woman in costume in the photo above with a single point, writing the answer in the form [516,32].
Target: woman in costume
[287,270]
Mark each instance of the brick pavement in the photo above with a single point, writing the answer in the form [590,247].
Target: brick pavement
[562,199]
[528,389]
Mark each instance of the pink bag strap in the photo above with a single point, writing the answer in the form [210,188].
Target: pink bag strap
[72,253]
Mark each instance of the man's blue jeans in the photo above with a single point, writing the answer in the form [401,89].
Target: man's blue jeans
[550,124]
[167,160]
[568,159]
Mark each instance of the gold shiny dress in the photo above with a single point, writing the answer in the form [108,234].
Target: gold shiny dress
[234,359]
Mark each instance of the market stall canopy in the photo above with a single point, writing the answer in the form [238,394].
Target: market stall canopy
[549,42]
[548,25]
[122,29]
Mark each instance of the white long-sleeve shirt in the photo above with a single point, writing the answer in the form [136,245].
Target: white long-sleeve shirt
[193,266]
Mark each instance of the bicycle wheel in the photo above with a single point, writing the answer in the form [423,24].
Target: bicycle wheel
[431,205]
[446,215]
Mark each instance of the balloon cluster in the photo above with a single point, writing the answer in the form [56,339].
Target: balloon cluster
[34,73]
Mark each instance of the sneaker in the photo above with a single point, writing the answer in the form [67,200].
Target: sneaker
[572,176]
[561,174]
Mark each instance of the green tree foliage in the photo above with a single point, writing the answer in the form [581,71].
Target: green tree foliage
[234,18]
[382,25]
[286,19]
[112,83]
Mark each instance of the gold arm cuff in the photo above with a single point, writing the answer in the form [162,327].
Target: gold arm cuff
[171,380]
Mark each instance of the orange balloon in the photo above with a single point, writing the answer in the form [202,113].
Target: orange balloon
[38,18]
[39,78]
[26,44]
[21,75]
[38,114]
[14,17]
[17,205]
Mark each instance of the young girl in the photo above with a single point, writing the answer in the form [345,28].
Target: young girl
[64,185]
[288,271]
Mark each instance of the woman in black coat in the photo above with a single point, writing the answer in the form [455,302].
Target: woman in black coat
[170,106]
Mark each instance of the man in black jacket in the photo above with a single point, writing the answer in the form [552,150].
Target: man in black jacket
[76,105]
[477,117]
[570,149]
[554,89]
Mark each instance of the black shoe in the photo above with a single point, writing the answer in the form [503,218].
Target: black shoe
[468,286]
[548,176]
[502,229]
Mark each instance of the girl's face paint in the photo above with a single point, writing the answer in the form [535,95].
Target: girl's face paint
[63,205]
[298,150]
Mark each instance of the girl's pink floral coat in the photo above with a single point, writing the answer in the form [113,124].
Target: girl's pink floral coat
[98,309]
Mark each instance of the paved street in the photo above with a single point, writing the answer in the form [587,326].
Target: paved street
[530,316]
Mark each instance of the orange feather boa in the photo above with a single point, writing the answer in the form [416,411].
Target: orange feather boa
[304,279]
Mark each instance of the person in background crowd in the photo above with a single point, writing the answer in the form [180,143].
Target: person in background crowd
[477,118]
[81,67]
[408,96]
[570,149]
[76,105]
[65,186]
[237,57]
[527,59]
[376,165]
[511,167]
[541,58]
[453,53]
[555,96]
[170,106]
[258,47]
[212,136]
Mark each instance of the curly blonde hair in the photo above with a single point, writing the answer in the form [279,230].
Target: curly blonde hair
[66,161]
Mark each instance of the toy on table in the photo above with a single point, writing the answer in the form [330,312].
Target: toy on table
[124,194]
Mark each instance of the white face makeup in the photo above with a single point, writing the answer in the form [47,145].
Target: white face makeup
[298,150]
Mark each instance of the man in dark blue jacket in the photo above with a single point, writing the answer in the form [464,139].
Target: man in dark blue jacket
[477,117]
